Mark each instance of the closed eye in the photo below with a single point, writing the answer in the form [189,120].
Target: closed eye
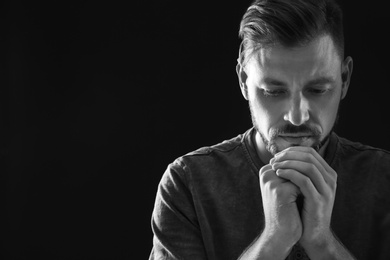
[273,93]
[318,91]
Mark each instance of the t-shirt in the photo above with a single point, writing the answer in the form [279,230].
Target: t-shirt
[208,204]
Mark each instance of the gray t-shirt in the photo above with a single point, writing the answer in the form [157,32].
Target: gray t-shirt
[209,206]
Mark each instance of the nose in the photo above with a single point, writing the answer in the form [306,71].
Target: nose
[298,111]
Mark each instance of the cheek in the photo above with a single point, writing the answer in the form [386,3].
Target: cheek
[267,113]
[327,114]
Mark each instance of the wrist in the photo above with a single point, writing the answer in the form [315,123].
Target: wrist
[269,245]
[325,246]
[274,246]
[280,241]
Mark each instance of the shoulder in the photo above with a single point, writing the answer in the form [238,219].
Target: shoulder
[219,153]
[363,151]
[225,146]
[365,163]
[210,162]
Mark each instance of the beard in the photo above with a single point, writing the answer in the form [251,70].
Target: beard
[305,129]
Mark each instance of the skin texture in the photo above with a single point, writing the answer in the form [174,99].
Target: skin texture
[283,87]
[294,96]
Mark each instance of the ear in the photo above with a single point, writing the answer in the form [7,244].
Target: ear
[346,72]
[242,76]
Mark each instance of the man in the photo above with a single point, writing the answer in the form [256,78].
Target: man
[289,188]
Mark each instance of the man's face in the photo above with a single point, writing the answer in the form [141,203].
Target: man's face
[294,93]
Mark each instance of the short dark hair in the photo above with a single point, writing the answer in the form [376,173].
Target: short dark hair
[289,23]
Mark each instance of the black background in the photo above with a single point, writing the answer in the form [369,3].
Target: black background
[97,98]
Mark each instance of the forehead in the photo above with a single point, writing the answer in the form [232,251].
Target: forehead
[316,59]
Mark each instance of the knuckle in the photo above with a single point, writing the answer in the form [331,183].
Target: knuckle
[272,186]
[333,185]
[269,186]
[282,155]
[266,176]
[264,169]
[309,157]
[329,196]
[332,177]
[306,182]
[312,168]
[333,173]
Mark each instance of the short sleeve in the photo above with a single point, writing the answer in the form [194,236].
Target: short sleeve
[176,232]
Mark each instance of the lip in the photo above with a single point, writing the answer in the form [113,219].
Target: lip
[296,136]
[296,139]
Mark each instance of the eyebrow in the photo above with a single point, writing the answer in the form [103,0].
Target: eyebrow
[321,81]
[317,81]
[274,82]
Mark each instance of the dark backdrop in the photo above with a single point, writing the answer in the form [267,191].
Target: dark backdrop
[98,97]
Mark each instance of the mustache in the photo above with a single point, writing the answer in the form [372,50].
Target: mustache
[292,129]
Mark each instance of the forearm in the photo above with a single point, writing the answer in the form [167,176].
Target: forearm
[329,248]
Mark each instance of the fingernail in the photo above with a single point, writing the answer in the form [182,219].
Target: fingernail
[272,160]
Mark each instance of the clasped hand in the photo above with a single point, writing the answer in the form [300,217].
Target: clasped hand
[293,172]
